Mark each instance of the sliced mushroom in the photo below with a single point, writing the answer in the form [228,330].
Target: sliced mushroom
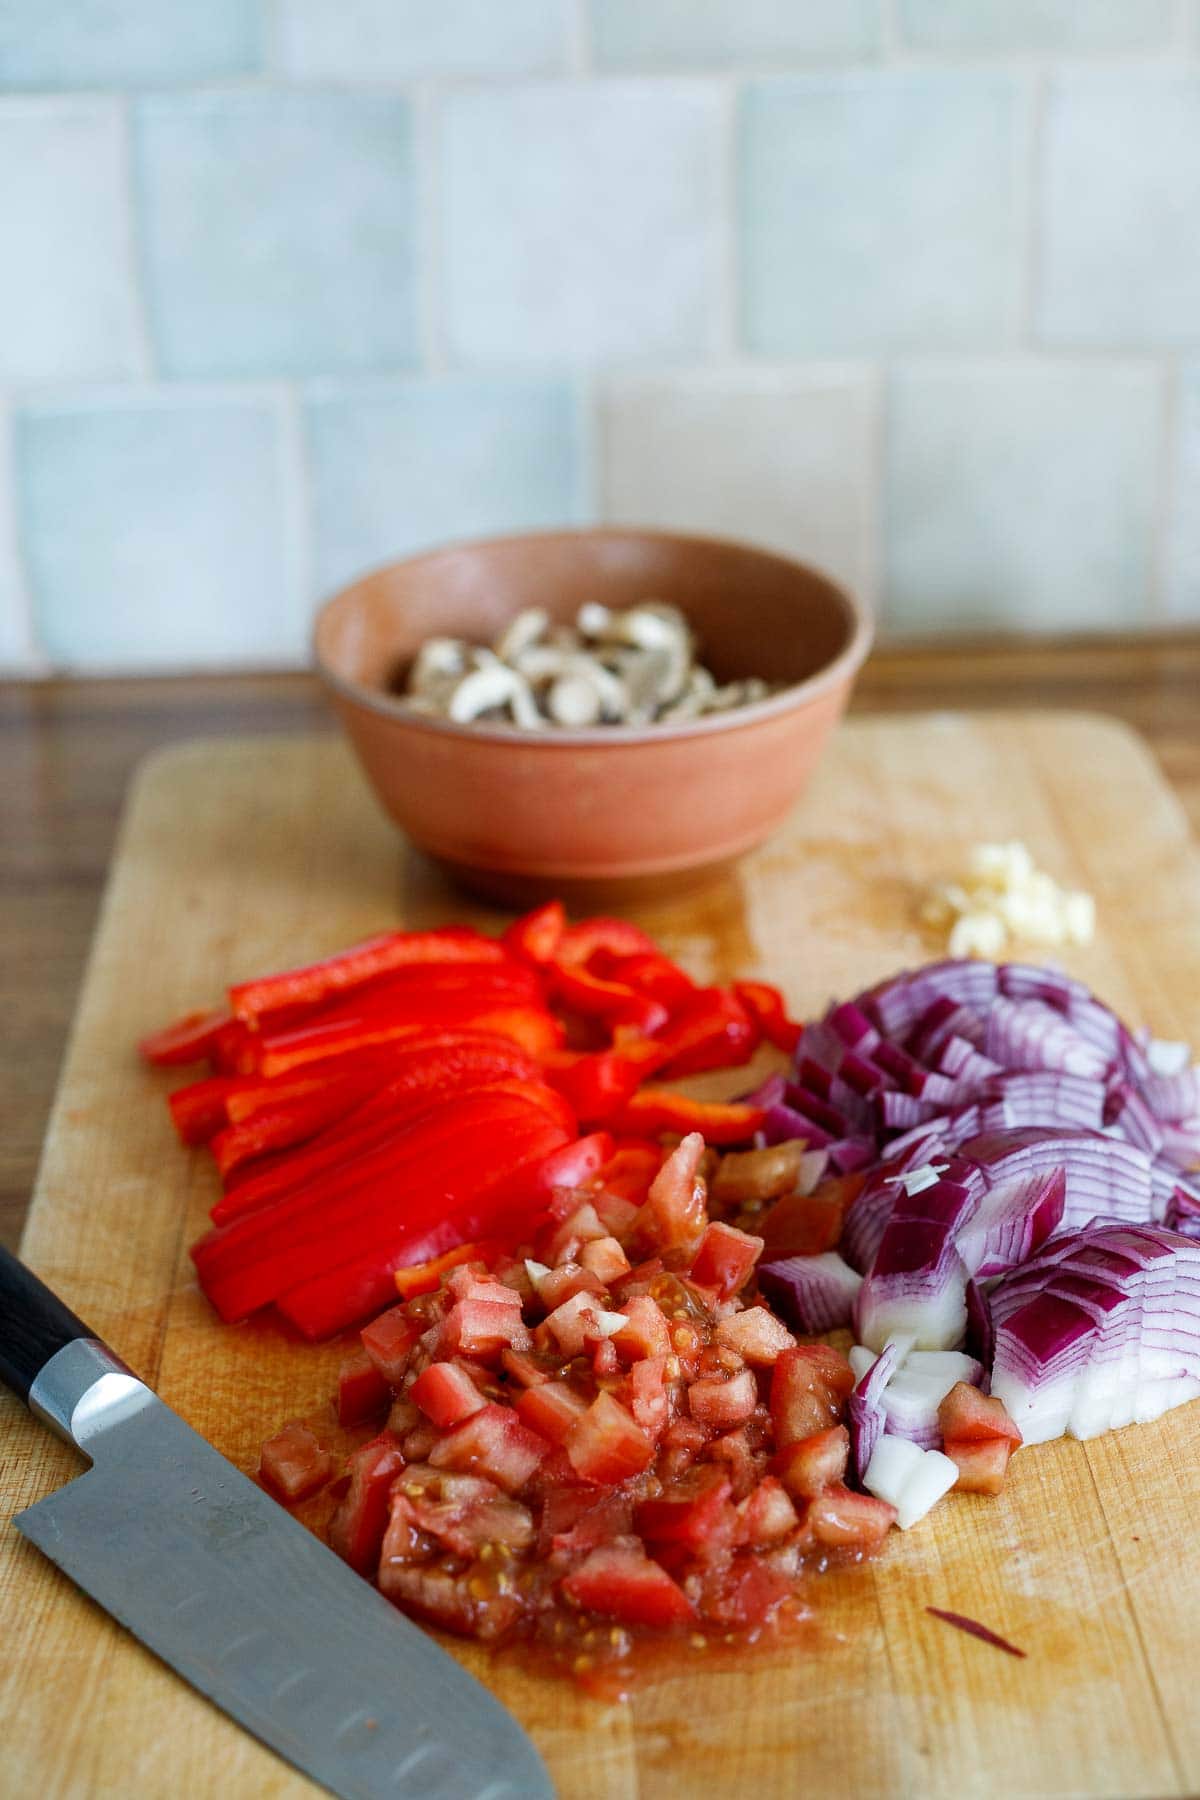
[593,619]
[439,659]
[481,692]
[520,632]
[574,700]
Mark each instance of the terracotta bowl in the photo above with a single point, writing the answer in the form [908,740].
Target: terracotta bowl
[611,812]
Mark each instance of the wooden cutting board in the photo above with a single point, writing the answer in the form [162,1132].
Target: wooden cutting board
[236,857]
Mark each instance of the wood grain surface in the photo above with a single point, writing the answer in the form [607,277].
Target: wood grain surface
[236,857]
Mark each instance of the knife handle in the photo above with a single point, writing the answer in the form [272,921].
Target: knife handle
[34,1325]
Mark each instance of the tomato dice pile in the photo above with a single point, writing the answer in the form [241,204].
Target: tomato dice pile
[425,1090]
[604,1439]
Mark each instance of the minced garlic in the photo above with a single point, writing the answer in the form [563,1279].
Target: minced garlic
[1001,897]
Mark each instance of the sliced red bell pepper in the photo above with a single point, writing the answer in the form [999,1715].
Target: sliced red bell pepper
[631,1169]
[660,1109]
[432,1069]
[653,975]
[364,962]
[426,1277]
[372,1132]
[712,1030]
[616,937]
[766,1006]
[472,1142]
[578,989]
[188,1040]
[337,1297]
[530,1026]
[599,1082]
[535,937]
[201,1109]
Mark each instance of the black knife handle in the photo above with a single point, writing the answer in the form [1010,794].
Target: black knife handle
[34,1325]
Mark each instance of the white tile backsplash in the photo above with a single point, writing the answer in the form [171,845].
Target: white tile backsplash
[906,288]
[881,211]
[68,307]
[581,220]
[1120,211]
[781,459]
[373,41]
[1021,494]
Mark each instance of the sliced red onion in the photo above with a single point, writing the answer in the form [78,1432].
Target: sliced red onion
[896,1005]
[865,1410]
[981,1339]
[1035,981]
[813,1293]
[1029,1034]
[917,1282]
[1101,1329]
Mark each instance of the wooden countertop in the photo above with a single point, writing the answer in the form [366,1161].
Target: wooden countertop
[68,747]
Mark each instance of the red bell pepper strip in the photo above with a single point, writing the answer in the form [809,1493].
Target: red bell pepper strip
[373,1131]
[599,1082]
[426,1277]
[535,937]
[188,1040]
[656,976]
[200,1110]
[431,1070]
[657,1109]
[631,1169]
[468,1138]
[465,1194]
[582,992]
[535,1029]
[615,936]
[361,963]
[712,1030]
[766,1005]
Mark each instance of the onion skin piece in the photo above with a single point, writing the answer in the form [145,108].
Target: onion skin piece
[961,1622]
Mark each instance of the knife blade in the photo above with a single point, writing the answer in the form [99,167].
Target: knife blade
[248,1606]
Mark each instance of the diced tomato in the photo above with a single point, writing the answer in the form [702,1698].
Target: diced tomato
[647,1333]
[492,1442]
[605,1259]
[690,1513]
[846,1521]
[966,1416]
[807,1224]
[649,1401]
[746,1465]
[767,1515]
[673,1217]
[485,1327]
[749,1593]
[446,1600]
[606,1364]
[808,1467]
[576,1520]
[629,1174]
[572,1323]
[388,1341]
[615,1214]
[809,1387]
[403,1415]
[725,1259]
[464,1528]
[724,1404]
[574,1165]
[523,1368]
[620,1581]
[579,1227]
[606,1445]
[756,1334]
[357,1527]
[294,1464]
[551,1408]
[446,1394]
[564,1283]
[362,1391]
[981,1466]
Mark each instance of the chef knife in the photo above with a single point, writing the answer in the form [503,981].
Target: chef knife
[248,1606]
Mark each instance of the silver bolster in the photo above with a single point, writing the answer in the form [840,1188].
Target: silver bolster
[83,1390]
